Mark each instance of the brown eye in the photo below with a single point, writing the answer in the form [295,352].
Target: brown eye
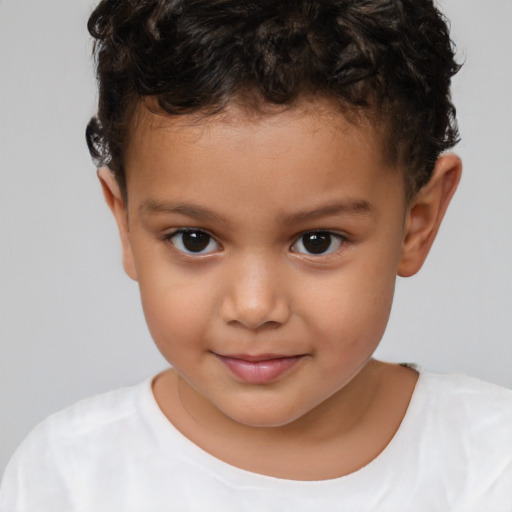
[317,243]
[194,241]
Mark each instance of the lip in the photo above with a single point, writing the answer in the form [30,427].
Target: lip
[259,369]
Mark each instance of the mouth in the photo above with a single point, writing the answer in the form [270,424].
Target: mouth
[261,369]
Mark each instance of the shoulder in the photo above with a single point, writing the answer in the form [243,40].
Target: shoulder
[463,394]
[472,406]
[89,416]
[466,425]
[459,414]
[456,441]
[70,443]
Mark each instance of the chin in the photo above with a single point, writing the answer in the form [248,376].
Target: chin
[266,416]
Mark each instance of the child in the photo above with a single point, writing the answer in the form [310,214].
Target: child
[272,166]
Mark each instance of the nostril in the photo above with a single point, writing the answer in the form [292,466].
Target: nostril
[270,325]
[256,327]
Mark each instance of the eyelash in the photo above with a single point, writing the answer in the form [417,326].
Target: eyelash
[211,239]
[339,239]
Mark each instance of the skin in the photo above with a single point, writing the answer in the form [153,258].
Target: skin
[256,184]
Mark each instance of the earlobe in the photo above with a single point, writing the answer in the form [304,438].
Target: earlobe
[426,212]
[116,203]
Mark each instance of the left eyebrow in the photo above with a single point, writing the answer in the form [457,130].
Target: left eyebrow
[352,207]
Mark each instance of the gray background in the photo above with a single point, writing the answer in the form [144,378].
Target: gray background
[71,324]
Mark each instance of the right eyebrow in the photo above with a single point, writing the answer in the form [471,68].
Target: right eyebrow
[153,206]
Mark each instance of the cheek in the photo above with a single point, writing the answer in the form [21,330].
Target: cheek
[176,308]
[353,309]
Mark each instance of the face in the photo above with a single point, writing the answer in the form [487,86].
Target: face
[266,250]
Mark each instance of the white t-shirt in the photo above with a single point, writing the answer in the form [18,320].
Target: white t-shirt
[118,452]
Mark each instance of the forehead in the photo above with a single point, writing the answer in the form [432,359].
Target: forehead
[309,142]
[148,124]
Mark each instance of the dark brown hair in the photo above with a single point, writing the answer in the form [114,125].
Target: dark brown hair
[392,60]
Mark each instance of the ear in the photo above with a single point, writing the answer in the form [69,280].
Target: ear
[116,203]
[425,213]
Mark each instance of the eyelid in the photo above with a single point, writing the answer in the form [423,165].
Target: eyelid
[170,235]
[331,253]
[342,238]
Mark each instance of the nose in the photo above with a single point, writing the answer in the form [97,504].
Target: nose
[253,296]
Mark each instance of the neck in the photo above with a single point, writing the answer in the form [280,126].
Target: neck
[337,437]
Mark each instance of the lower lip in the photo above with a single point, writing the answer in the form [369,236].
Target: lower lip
[260,372]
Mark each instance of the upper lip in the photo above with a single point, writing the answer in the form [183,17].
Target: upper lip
[258,357]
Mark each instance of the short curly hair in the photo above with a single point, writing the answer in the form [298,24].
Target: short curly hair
[391,60]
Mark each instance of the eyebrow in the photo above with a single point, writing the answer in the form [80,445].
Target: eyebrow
[189,210]
[352,207]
